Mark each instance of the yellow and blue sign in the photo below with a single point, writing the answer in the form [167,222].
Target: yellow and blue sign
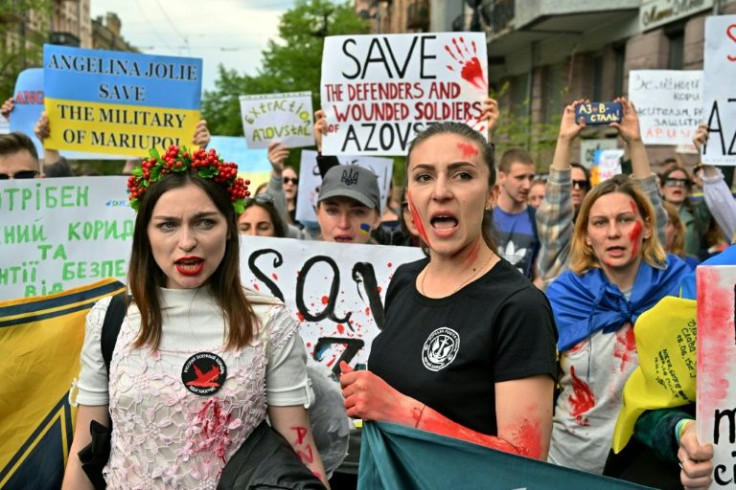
[41,339]
[119,103]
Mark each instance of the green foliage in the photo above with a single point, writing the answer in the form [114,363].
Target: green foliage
[291,64]
[515,129]
[20,47]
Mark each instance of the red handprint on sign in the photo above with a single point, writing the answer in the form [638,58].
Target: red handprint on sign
[471,70]
[732,36]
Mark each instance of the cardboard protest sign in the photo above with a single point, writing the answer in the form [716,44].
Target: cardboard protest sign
[335,290]
[286,118]
[589,147]
[120,103]
[57,234]
[606,164]
[669,104]
[716,391]
[252,164]
[378,91]
[719,94]
[28,99]
[310,181]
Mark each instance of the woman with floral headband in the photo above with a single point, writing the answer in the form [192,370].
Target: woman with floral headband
[199,361]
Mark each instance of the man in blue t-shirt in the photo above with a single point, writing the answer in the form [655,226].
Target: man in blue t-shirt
[513,220]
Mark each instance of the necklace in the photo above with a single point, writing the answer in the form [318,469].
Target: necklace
[463,284]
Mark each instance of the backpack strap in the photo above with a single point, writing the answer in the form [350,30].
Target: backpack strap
[111,326]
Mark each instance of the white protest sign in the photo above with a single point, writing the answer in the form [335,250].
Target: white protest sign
[716,390]
[335,290]
[378,91]
[607,163]
[310,180]
[286,118]
[719,91]
[57,234]
[669,104]
[589,147]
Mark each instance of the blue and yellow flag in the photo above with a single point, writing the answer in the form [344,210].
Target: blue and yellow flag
[40,342]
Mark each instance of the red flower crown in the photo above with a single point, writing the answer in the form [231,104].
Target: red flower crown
[176,160]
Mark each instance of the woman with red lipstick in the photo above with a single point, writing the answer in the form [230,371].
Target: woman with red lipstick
[199,361]
[467,350]
[618,270]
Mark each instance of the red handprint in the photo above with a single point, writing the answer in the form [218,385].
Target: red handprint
[471,70]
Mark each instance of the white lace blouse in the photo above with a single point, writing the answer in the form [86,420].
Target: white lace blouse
[163,434]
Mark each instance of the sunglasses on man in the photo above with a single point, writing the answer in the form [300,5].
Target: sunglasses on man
[672,182]
[581,184]
[20,174]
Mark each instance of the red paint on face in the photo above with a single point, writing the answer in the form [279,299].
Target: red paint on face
[468,149]
[625,348]
[528,438]
[715,333]
[417,219]
[634,236]
[581,400]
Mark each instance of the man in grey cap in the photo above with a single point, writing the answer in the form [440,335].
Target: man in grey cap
[348,205]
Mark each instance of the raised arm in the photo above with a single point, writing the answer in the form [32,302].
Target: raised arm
[201,136]
[43,131]
[630,132]
[277,153]
[490,114]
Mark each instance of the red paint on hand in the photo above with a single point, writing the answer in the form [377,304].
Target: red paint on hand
[432,421]
[625,348]
[581,400]
[468,149]
[528,438]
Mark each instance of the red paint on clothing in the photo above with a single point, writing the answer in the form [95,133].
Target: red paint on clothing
[468,149]
[581,400]
[417,219]
[625,348]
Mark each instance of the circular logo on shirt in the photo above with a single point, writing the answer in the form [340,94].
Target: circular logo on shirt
[204,373]
[440,348]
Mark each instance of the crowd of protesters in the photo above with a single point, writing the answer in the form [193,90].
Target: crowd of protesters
[514,261]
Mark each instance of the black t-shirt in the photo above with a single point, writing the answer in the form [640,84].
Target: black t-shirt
[449,352]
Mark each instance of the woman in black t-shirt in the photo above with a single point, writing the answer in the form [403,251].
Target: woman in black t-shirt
[468,347]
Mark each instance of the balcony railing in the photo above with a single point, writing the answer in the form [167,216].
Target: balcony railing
[417,15]
[498,13]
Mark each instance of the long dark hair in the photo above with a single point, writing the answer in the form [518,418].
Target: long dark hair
[145,277]
[487,152]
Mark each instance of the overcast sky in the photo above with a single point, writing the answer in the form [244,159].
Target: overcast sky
[231,32]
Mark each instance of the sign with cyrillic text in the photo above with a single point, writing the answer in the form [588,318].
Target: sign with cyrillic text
[310,181]
[669,104]
[719,94]
[378,91]
[286,118]
[716,368]
[56,234]
[120,103]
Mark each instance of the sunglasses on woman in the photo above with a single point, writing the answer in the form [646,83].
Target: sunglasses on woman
[259,199]
[20,174]
[582,184]
[291,180]
[672,182]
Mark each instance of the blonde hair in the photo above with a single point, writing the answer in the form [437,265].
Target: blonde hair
[678,243]
[582,255]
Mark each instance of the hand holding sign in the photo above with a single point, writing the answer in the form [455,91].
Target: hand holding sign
[696,460]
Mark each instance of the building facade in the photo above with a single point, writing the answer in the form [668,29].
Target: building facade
[106,34]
